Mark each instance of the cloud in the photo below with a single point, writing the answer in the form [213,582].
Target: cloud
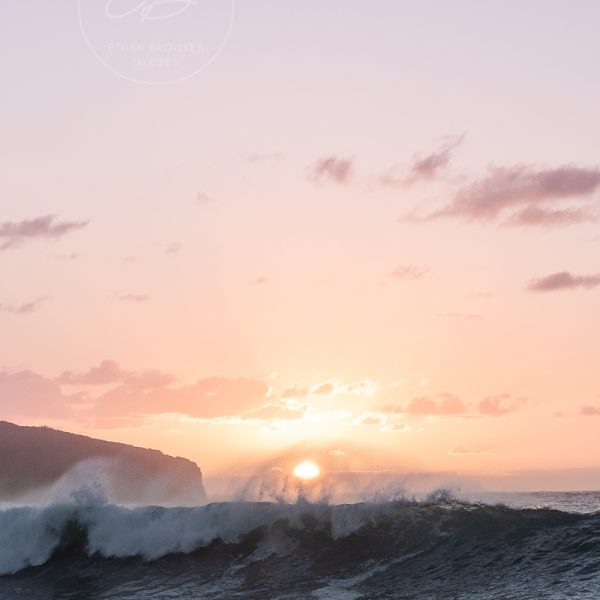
[381,421]
[264,157]
[134,396]
[295,392]
[524,187]
[28,394]
[16,233]
[332,168]
[110,372]
[589,411]
[202,199]
[465,451]
[71,256]
[273,428]
[408,272]
[135,298]
[277,412]
[424,168]
[22,309]
[444,404]
[259,281]
[498,406]
[323,389]
[449,405]
[535,216]
[210,398]
[441,405]
[362,388]
[336,453]
[429,166]
[172,248]
[395,427]
[369,418]
[563,281]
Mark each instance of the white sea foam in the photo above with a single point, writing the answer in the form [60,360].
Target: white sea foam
[30,535]
[81,500]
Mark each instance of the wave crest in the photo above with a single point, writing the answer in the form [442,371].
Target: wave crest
[29,536]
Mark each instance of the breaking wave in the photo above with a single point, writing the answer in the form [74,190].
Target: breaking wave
[365,550]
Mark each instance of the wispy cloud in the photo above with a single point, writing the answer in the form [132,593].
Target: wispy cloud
[263,157]
[336,452]
[210,398]
[450,405]
[444,404]
[295,392]
[440,405]
[133,298]
[535,216]
[370,418]
[203,199]
[563,280]
[590,411]
[323,389]
[424,168]
[132,396]
[25,393]
[110,372]
[363,388]
[332,168]
[466,451]
[282,411]
[498,406]
[71,256]
[16,233]
[395,427]
[408,272]
[172,248]
[523,188]
[22,309]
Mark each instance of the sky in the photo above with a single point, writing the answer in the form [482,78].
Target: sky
[364,230]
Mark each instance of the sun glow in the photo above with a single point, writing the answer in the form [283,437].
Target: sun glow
[307,470]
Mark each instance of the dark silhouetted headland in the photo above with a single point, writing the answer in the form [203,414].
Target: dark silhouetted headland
[38,458]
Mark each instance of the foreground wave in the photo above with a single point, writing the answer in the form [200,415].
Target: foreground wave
[435,549]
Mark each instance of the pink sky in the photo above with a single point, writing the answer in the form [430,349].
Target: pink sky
[365,227]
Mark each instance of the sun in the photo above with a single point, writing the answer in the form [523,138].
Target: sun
[307,470]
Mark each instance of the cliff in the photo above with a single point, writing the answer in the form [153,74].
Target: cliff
[40,458]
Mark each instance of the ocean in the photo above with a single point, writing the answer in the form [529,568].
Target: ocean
[499,546]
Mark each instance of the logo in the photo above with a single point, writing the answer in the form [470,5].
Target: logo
[150,10]
[156,41]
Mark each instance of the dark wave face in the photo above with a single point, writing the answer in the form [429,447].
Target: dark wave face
[398,550]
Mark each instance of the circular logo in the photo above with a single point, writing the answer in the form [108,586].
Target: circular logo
[156,41]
